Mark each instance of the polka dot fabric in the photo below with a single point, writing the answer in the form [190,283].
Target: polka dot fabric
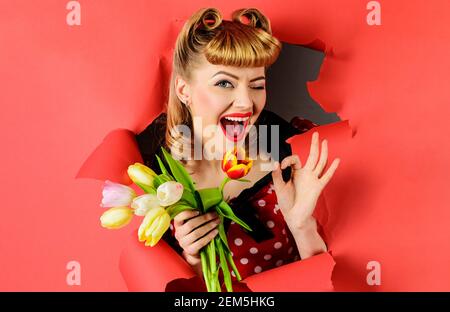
[251,257]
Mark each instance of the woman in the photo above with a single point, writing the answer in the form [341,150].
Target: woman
[218,82]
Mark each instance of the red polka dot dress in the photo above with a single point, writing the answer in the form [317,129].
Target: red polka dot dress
[252,257]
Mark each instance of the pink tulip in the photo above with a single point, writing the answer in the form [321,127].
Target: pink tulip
[116,194]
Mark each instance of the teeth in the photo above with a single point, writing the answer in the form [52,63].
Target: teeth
[237,118]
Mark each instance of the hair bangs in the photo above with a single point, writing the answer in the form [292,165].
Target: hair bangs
[242,46]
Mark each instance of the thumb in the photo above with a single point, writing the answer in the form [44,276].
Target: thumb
[277,177]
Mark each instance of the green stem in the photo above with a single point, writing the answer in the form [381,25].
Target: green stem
[205,268]
[212,264]
[222,185]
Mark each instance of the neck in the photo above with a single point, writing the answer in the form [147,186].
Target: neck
[205,165]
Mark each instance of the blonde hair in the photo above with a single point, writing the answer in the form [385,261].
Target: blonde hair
[230,43]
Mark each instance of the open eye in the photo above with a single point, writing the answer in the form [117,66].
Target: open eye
[223,83]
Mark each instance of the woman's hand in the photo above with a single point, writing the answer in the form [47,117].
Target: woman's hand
[297,197]
[193,232]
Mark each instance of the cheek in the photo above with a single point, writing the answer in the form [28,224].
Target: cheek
[208,105]
[260,103]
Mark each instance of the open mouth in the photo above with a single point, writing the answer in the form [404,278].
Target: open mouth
[234,125]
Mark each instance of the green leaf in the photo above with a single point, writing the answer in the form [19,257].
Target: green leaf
[175,209]
[166,177]
[226,210]
[146,188]
[161,165]
[244,180]
[178,171]
[157,181]
[210,197]
[189,198]
[160,179]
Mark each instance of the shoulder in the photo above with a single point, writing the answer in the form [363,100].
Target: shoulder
[151,139]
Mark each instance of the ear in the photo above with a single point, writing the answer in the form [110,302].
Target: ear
[182,90]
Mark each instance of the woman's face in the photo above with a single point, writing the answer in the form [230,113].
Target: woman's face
[224,101]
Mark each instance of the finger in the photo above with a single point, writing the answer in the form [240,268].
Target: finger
[192,224]
[292,160]
[323,158]
[199,232]
[277,177]
[313,152]
[202,242]
[183,216]
[327,176]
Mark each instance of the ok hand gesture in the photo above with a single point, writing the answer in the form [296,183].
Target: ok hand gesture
[297,197]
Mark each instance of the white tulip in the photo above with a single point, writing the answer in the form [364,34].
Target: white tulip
[169,193]
[142,204]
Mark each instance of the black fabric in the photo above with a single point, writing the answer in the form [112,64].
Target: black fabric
[151,140]
[153,137]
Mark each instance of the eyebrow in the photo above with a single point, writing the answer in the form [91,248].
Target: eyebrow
[236,77]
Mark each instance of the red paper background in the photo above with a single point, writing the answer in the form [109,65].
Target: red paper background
[64,88]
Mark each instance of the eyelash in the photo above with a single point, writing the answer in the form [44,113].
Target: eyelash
[221,81]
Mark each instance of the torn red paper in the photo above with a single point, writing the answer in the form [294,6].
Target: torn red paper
[111,158]
[311,274]
[160,268]
[151,268]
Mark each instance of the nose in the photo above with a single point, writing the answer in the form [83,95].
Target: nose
[243,100]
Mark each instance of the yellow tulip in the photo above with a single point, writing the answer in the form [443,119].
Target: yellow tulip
[116,218]
[154,225]
[142,175]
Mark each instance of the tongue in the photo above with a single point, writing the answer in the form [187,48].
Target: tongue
[233,128]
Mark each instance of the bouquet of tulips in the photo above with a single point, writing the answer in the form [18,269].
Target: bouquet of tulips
[170,193]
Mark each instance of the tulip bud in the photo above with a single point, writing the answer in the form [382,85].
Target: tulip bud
[235,163]
[169,193]
[142,176]
[154,225]
[142,204]
[116,194]
[116,218]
